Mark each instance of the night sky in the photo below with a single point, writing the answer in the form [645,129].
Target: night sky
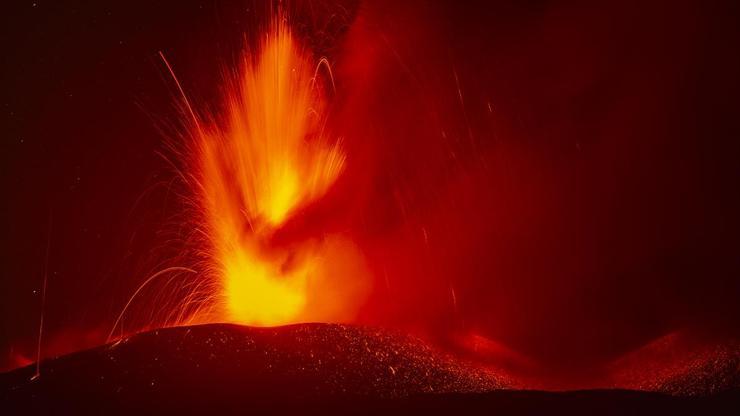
[569,170]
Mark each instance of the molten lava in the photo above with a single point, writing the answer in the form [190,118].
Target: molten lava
[269,155]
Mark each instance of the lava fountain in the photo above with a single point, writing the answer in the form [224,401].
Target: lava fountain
[267,156]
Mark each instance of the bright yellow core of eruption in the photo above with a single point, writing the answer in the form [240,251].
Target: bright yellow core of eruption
[270,158]
[259,293]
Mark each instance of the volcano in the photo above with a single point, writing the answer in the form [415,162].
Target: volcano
[355,206]
[306,367]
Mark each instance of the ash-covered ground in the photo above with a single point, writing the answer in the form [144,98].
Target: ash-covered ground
[680,364]
[307,368]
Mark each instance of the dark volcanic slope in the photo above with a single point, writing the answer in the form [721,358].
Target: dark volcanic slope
[309,368]
[680,364]
[224,362]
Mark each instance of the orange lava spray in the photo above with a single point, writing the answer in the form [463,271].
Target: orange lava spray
[267,156]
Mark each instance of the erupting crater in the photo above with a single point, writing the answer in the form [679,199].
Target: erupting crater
[255,166]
